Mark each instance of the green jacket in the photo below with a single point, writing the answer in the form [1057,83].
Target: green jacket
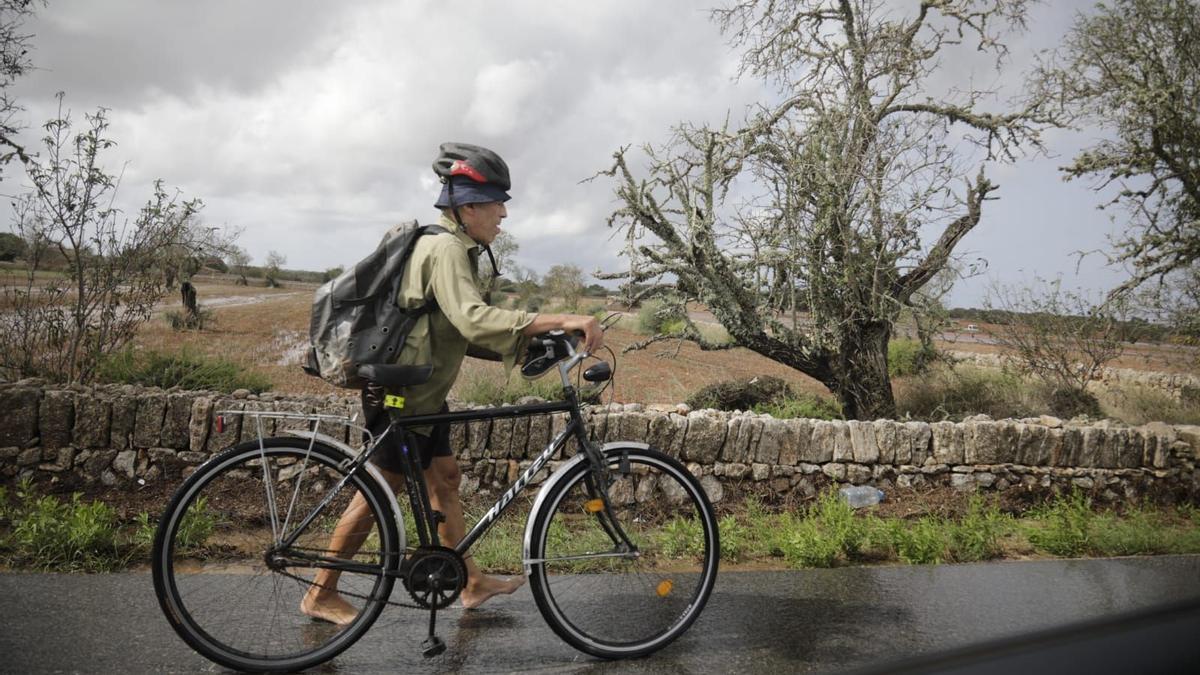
[443,268]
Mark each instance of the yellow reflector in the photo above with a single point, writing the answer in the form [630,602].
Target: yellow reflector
[594,505]
[393,401]
[664,588]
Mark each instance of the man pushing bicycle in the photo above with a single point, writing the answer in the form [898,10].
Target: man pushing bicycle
[442,270]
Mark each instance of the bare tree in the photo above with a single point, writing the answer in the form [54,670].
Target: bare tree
[504,249]
[1133,68]
[566,282]
[807,229]
[60,326]
[14,61]
[239,261]
[1057,335]
[274,264]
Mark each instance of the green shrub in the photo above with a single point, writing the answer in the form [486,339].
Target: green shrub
[907,357]
[977,535]
[682,536]
[955,393]
[492,388]
[1069,402]
[923,542]
[1064,528]
[734,538]
[183,369]
[654,316]
[1137,405]
[802,406]
[50,534]
[828,532]
[807,545]
[741,394]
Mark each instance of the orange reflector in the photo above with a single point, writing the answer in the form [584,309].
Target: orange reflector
[220,424]
[594,505]
[664,588]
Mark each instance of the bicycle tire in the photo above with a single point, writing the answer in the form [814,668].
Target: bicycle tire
[209,558]
[618,607]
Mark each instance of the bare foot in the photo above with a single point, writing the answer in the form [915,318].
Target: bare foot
[326,605]
[479,592]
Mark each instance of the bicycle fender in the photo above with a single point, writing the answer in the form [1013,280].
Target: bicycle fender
[351,454]
[553,480]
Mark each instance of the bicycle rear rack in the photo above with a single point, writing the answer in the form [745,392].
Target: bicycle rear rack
[314,421]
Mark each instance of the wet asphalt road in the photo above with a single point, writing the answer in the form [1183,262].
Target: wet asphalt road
[780,622]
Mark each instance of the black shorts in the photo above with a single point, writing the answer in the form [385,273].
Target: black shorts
[389,455]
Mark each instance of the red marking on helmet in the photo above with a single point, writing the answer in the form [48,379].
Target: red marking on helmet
[461,168]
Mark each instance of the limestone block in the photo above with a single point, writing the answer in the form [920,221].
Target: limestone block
[772,436]
[219,440]
[759,471]
[1069,451]
[962,481]
[539,435]
[1033,447]
[632,426]
[661,431]
[56,418]
[892,440]
[125,463]
[864,448]
[93,419]
[501,439]
[712,486]
[830,442]
[458,440]
[795,444]
[989,442]
[198,422]
[29,456]
[148,424]
[478,435]
[858,474]
[705,437]
[520,438]
[178,417]
[947,442]
[124,415]
[920,441]
[835,470]
[19,421]
[253,425]
[739,433]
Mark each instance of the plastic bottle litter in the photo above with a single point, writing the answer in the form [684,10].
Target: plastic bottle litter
[859,496]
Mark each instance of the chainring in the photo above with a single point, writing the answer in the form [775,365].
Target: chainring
[436,576]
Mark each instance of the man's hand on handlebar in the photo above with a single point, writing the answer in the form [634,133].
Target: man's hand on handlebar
[593,334]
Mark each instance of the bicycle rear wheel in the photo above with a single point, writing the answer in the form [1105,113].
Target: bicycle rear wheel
[603,597]
[217,581]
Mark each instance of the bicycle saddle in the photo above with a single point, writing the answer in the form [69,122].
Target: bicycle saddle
[395,377]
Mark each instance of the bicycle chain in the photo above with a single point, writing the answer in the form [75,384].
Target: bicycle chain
[352,594]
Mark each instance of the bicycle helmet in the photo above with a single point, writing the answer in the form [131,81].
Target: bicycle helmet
[470,174]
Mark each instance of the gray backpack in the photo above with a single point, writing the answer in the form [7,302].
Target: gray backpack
[355,319]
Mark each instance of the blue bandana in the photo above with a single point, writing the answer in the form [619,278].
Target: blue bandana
[467,191]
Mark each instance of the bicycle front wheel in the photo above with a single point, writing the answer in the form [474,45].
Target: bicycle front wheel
[623,579]
[232,592]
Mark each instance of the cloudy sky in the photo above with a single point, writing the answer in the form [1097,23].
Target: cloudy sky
[312,124]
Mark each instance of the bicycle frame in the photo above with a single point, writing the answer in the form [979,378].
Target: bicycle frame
[423,515]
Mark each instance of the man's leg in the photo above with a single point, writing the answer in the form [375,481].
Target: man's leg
[322,600]
[442,479]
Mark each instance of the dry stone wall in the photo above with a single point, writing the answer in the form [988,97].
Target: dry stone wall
[128,436]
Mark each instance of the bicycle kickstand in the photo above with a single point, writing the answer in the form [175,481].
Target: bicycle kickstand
[433,645]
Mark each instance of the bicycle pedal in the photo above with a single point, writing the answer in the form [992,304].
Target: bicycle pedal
[432,646]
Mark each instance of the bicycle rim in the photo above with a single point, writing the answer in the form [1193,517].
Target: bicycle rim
[210,558]
[617,606]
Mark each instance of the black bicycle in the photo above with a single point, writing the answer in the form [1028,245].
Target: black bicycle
[620,548]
